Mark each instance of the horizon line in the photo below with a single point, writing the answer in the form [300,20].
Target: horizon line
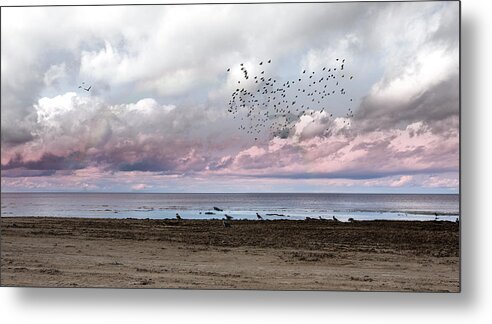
[222,193]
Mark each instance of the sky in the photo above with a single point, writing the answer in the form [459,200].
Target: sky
[156,117]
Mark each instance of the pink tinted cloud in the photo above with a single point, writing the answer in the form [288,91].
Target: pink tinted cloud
[140,186]
[414,149]
[108,140]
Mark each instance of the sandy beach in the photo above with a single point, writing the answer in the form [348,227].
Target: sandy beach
[277,254]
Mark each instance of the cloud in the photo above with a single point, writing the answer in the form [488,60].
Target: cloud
[403,180]
[421,75]
[47,162]
[74,131]
[140,186]
[19,172]
[160,91]
[351,155]
[54,73]
[435,181]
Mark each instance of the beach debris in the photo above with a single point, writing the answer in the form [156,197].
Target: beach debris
[218,209]
[145,282]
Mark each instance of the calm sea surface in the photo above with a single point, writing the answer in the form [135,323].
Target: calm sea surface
[240,206]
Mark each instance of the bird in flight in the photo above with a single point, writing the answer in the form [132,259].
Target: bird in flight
[270,105]
[86,89]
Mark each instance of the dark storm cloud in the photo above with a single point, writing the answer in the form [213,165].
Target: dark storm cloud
[16,173]
[435,104]
[144,166]
[18,117]
[47,162]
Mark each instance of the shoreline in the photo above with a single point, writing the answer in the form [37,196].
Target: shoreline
[275,254]
[208,216]
[267,218]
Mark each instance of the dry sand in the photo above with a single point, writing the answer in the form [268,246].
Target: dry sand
[288,255]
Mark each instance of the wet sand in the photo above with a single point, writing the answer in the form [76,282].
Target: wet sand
[277,254]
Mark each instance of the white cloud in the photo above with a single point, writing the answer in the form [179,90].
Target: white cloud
[442,181]
[403,180]
[425,69]
[106,64]
[54,73]
[140,186]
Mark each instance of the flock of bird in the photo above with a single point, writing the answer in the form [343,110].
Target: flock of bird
[227,218]
[262,102]
[265,103]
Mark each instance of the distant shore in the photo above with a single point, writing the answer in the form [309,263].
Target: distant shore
[276,254]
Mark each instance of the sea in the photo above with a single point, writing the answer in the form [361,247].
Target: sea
[269,206]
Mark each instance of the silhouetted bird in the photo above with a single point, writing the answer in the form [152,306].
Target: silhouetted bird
[226,223]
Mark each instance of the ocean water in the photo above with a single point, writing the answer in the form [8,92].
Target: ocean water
[239,206]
